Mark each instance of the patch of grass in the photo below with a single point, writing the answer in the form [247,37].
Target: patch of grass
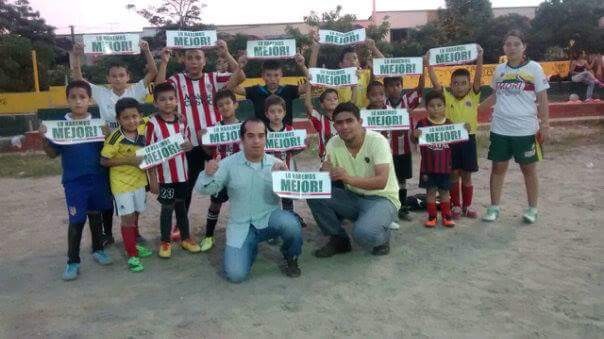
[28,165]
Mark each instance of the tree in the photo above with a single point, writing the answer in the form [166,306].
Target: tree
[557,22]
[463,20]
[491,39]
[19,18]
[182,13]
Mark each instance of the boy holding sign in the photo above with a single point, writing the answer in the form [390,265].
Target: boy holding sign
[169,179]
[435,169]
[118,79]
[227,105]
[322,122]
[84,181]
[127,180]
[462,107]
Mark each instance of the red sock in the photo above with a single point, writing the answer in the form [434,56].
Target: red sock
[432,211]
[455,199]
[445,209]
[129,237]
[467,192]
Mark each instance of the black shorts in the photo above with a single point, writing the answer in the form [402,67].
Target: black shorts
[169,193]
[403,166]
[464,156]
[221,197]
[439,181]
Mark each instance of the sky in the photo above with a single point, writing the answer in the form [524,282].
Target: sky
[89,16]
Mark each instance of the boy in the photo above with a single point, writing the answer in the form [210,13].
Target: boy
[400,142]
[462,107]
[169,179]
[435,168]
[118,78]
[127,180]
[226,102]
[322,122]
[350,58]
[84,181]
[195,91]
[275,113]
[272,73]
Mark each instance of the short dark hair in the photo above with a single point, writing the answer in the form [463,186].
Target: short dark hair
[125,103]
[434,95]
[273,100]
[243,128]
[373,84]
[78,84]
[327,91]
[347,107]
[345,51]
[225,93]
[271,65]
[117,64]
[163,87]
[460,72]
[393,81]
[516,33]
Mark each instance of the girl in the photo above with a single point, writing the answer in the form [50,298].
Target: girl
[519,124]
[582,71]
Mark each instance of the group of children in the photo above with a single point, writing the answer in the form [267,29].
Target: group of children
[189,102]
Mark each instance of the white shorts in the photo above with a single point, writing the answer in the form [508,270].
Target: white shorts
[130,202]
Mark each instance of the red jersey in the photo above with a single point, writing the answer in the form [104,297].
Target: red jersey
[226,150]
[286,156]
[196,100]
[436,159]
[324,127]
[400,141]
[157,129]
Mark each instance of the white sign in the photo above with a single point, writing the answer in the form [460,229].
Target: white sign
[302,185]
[386,119]
[395,67]
[70,132]
[338,38]
[271,49]
[453,55]
[443,134]
[112,44]
[286,140]
[221,135]
[333,77]
[161,151]
[190,39]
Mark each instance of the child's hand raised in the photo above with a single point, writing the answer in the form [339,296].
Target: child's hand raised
[467,126]
[166,53]
[144,45]
[480,51]
[299,59]
[78,49]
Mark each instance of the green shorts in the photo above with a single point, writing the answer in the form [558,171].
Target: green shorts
[525,149]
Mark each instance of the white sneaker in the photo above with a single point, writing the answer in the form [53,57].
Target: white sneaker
[394,226]
[492,214]
[530,215]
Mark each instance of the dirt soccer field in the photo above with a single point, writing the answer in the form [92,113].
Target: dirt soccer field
[477,280]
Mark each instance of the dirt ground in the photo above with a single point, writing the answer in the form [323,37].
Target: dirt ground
[477,280]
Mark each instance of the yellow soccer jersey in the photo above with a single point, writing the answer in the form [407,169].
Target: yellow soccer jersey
[124,178]
[464,110]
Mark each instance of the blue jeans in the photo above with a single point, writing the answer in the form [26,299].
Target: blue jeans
[238,261]
[371,216]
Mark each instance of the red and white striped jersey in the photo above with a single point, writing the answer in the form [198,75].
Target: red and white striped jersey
[286,156]
[157,129]
[196,100]
[400,141]
[324,127]
[226,150]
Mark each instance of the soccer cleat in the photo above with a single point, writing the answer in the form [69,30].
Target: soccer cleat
[165,250]
[336,245]
[102,258]
[190,246]
[291,269]
[71,271]
[492,214]
[394,226]
[135,264]
[143,251]
[382,249]
[469,212]
[403,214]
[206,244]
[456,212]
[175,234]
[530,215]
[448,222]
[430,223]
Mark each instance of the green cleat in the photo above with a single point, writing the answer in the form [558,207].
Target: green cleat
[135,265]
[143,251]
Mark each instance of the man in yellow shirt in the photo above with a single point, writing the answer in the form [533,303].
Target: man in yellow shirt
[462,102]
[364,190]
